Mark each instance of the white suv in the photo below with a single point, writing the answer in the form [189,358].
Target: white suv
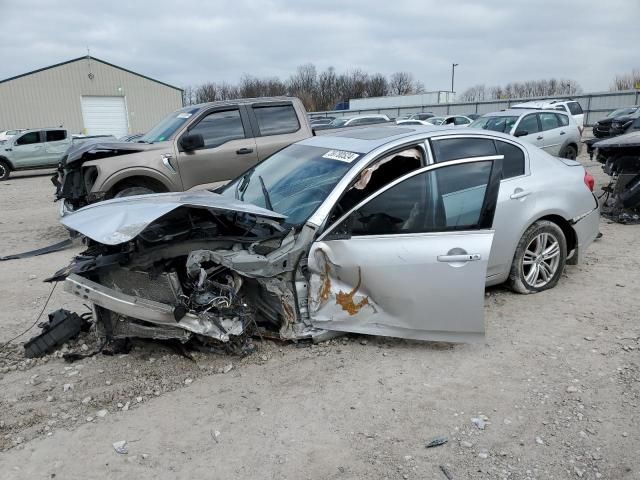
[572,107]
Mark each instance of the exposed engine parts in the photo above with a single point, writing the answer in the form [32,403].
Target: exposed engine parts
[620,157]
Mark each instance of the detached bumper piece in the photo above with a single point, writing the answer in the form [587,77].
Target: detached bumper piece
[62,326]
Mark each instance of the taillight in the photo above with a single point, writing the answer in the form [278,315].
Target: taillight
[589,181]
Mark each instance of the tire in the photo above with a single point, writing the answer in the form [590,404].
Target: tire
[570,152]
[131,191]
[5,170]
[538,271]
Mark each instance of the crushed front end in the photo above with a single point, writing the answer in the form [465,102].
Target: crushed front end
[188,269]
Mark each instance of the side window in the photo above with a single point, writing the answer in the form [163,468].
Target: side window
[529,124]
[575,108]
[56,135]
[448,198]
[513,163]
[562,108]
[29,138]
[464,147]
[461,121]
[562,119]
[220,127]
[549,121]
[277,119]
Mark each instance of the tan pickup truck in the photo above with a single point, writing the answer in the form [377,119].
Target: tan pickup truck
[195,147]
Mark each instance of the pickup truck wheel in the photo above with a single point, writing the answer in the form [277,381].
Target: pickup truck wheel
[5,170]
[131,191]
[540,258]
[570,152]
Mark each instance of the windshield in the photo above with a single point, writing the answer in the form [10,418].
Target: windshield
[622,111]
[294,181]
[167,127]
[338,122]
[502,124]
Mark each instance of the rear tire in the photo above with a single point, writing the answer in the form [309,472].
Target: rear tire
[131,191]
[5,170]
[540,258]
[570,152]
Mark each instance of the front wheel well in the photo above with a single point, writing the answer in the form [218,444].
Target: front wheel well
[567,229]
[6,160]
[138,181]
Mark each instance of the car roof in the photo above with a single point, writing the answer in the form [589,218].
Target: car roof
[517,112]
[367,139]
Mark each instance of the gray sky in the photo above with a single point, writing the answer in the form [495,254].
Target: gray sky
[190,41]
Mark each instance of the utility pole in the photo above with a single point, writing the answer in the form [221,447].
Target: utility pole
[453,74]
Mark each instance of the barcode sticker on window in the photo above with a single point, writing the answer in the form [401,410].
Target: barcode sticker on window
[184,115]
[341,155]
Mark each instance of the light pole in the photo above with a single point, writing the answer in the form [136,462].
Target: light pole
[453,74]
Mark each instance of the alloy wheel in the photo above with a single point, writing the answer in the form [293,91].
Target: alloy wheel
[541,260]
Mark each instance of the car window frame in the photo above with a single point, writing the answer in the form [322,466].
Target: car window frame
[581,112]
[554,114]
[246,126]
[253,118]
[516,127]
[66,134]
[40,136]
[487,203]
[432,159]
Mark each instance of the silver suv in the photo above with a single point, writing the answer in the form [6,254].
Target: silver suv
[31,149]
[554,132]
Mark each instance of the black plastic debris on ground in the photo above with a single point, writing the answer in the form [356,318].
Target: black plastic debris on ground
[62,326]
[437,441]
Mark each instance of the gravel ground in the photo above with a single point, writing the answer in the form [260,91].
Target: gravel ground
[555,384]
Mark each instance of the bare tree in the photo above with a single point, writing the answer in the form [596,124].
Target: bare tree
[378,86]
[207,92]
[401,83]
[626,81]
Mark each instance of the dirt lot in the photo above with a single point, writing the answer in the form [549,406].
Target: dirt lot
[556,381]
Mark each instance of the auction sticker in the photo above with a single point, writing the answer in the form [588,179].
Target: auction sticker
[341,155]
[184,115]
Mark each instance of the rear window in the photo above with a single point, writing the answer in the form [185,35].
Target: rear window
[56,135]
[574,108]
[549,121]
[277,119]
[456,148]
[563,119]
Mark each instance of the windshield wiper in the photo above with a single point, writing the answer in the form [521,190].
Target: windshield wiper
[265,193]
[242,185]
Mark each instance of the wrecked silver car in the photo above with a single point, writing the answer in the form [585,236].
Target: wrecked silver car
[383,231]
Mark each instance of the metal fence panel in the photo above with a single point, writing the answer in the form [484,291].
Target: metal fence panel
[595,106]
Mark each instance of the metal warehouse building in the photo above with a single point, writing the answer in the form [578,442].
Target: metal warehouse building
[86,95]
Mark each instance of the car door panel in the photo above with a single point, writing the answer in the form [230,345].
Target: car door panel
[29,155]
[530,124]
[229,150]
[55,149]
[426,284]
[552,132]
[384,286]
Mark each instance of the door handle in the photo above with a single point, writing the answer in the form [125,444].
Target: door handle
[244,151]
[539,138]
[562,133]
[465,257]
[519,193]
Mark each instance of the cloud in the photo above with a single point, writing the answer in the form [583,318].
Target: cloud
[190,42]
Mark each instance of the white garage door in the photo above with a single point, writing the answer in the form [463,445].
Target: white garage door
[105,116]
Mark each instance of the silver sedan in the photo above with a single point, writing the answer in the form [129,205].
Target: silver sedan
[390,230]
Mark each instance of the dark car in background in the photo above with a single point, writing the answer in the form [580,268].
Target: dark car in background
[622,120]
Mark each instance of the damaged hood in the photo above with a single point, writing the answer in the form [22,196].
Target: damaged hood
[120,220]
[628,140]
[77,152]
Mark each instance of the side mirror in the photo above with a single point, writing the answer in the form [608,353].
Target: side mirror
[191,141]
[520,133]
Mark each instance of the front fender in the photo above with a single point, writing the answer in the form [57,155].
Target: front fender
[172,182]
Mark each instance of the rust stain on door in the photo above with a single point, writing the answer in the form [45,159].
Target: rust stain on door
[346,300]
